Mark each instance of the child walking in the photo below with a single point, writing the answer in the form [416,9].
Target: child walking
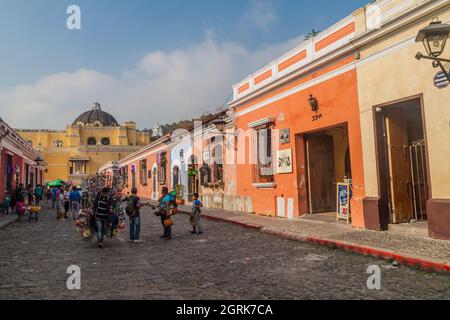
[196,205]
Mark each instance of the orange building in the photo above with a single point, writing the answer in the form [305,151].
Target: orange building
[146,169]
[299,130]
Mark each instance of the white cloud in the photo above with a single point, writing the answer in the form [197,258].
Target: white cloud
[162,87]
[260,14]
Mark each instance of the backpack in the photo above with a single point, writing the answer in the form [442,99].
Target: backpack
[130,208]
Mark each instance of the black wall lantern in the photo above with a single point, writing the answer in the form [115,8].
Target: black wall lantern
[434,37]
[313,103]
[38,160]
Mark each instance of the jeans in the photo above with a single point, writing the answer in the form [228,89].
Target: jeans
[66,208]
[101,229]
[53,202]
[75,208]
[135,228]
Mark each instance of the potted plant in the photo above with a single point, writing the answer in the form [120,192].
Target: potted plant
[192,173]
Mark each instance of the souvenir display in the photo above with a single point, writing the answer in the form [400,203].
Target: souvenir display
[91,187]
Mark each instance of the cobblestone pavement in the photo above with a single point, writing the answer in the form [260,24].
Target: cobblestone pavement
[227,262]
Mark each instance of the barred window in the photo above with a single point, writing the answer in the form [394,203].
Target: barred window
[264,168]
[143,172]
[205,174]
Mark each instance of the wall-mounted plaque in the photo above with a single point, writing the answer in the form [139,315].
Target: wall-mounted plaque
[284,161]
[285,136]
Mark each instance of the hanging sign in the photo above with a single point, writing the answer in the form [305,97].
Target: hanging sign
[441,80]
[343,201]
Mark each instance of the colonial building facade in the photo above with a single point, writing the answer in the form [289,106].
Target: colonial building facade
[404,119]
[350,107]
[19,161]
[93,139]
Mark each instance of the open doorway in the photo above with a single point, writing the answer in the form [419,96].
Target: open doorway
[402,161]
[327,163]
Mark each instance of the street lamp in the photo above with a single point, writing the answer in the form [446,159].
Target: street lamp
[313,103]
[434,37]
[220,124]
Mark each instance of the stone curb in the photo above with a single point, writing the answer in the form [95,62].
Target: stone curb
[352,247]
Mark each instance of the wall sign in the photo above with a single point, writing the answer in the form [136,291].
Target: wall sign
[440,80]
[285,136]
[284,161]
[343,201]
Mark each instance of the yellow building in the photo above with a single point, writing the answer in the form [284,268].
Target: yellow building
[404,117]
[93,139]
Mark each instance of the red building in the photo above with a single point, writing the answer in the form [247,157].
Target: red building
[19,161]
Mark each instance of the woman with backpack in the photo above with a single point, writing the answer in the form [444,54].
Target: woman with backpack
[132,209]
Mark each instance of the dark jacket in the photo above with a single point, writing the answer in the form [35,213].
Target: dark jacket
[109,207]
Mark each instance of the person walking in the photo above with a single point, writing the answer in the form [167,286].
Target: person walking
[60,203]
[30,194]
[38,194]
[48,196]
[74,198]
[133,211]
[102,209]
[20,201]
[66,201]
[54,192]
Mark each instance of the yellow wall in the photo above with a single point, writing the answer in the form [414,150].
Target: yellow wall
[396,74]
[75,145]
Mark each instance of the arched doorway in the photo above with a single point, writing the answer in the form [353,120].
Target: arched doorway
[192,176]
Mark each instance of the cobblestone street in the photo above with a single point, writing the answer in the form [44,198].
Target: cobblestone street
[227,262]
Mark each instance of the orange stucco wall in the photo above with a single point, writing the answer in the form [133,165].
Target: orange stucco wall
[338,104]
[291,61]
[341,33]
[263,76]
[145,191]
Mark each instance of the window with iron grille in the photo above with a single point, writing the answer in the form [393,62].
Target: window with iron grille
[263,170]
[217,165]
[125,175]
[205,174]
[143,172]
[162,163]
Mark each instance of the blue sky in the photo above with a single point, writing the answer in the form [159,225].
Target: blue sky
[143,58]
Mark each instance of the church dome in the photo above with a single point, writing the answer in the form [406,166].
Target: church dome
[96,117]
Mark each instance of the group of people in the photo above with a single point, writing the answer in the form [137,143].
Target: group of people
[65,199]
[15,200]
[104,213]
[101,208]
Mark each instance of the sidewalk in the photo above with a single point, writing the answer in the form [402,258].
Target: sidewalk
[406,248]
[4,221]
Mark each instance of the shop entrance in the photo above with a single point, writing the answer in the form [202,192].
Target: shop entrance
[402,159]
[327,162]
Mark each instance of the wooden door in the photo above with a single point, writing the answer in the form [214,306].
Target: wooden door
[321,174]
[399,166]
[302,181]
